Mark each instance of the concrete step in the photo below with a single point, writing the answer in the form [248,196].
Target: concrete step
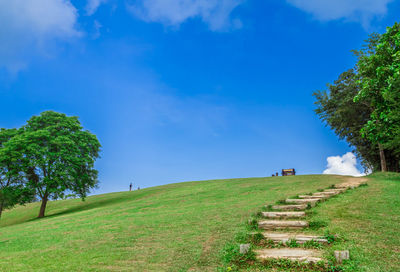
[336,190]
[300,238]
[297,207]
[294,254]
[313,196]
[326,193]
[310,201]
[283,214]
[281,224]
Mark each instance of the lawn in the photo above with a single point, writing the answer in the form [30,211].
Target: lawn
[184,226]
[368,221]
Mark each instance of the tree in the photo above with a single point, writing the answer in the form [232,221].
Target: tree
[58,156]
[13,188]
[363,105]
[379,79]
[338,110]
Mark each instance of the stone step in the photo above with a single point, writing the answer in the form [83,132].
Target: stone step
[293,254]
[336,190]
[310,201]
[326,193]
[297,207]
[300,238]
[313,196]
[281,224]
[283,214]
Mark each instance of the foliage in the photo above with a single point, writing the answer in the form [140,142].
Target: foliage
[346,117]
[56,155]
[12,183]
[363,105]
[317,224]
[329,237]
[379,79]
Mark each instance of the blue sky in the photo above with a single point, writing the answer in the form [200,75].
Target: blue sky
[185,90]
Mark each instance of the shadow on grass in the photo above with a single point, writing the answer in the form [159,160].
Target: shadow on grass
[84,206]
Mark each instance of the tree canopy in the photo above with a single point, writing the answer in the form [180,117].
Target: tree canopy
[13,189]
[363,105]
[55,156]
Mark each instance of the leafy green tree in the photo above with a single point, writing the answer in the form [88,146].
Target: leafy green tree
[13,188]
[379,79]
[337,109]
[58,156]
[362,106]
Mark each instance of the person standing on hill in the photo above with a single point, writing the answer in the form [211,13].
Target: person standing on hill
[130,187]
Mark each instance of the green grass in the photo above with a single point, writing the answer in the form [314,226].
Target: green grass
[185,226]
[367,221]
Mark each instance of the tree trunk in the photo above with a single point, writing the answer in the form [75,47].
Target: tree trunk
[43,206]
[1,207]
[383,159]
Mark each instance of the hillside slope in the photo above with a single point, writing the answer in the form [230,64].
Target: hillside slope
[183,226]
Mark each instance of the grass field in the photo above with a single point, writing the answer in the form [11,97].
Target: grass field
[368,220]
[184,226]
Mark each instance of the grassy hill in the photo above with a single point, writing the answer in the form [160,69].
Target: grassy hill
[184,226]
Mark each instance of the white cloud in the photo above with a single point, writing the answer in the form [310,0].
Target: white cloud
[215,13]
[93,5]
[27,25]
[343,165]
[354,10]
[97,29]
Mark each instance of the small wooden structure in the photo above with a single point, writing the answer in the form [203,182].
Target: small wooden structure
[288,172]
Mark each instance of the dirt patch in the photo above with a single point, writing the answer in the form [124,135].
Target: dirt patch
[352,182]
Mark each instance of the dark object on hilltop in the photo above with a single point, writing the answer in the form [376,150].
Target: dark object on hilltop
[276,174]
[288,172]
[130,187]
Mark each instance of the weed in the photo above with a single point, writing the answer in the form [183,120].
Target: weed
[312,244]
[280,244]
[267,208]
[288,265]
[334,268]
[242,237]
[232,256]
[329,237]
[281,202]
[317,224]
[311,212]
[256,238]
[252,224]
[256,215]
[292,243]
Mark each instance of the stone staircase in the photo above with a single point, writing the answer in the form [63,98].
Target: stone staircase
[290,216]
[283,238]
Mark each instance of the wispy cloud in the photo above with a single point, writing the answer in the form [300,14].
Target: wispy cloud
[27,25]
[343,165]
[93,5]
[215,13]
[362,11]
